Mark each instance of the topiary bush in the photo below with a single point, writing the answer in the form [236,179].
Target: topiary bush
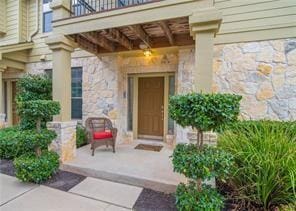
[202,112]
[188,198]
[31,88]
[15,142]
[35,107]
[9,143]
[33,168]
[265,161]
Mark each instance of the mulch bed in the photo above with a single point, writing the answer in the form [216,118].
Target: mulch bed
[64,180]
[61,180]
[6,167]
[155,148]
[150,200]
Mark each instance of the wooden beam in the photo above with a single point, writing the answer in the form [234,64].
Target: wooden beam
[141,34]
[166,29]
[117,36]
[96,38]
[85,44]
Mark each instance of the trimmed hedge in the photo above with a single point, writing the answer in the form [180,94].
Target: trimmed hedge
[15,142]
[30,168]
[188,198]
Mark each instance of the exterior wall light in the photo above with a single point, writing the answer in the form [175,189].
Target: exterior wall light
[147,52]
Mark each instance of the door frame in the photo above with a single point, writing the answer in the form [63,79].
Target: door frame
[9,117]
[166,99]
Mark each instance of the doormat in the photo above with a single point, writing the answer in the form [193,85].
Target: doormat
[155,148]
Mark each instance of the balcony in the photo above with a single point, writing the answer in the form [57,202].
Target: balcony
[85,7]
[108,26]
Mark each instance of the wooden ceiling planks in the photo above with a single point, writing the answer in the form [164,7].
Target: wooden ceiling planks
[173,32]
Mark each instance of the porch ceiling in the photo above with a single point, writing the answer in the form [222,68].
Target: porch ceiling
[164,33]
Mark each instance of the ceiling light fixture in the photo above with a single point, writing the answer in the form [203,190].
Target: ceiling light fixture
[146,50]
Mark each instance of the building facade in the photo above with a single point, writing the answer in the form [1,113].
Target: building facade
[123,59]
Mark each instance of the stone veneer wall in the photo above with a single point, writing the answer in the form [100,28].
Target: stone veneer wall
[263,73]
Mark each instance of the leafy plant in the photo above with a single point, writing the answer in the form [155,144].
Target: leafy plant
[205,164]
[31,88]
[81,136]
[34,103]
[265,158]
[202,112]
[15,142]
[35,106]
[38,110]
[188,198]
[32,168]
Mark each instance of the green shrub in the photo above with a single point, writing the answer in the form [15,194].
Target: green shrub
[38,110]
[81,136]
[265,158]
[8,143]
[205,164]
[15,142]
[31,168]
[188,198]
[31,88]
[34,87]
[202,112]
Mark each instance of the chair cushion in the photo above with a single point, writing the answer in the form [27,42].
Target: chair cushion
[102,135]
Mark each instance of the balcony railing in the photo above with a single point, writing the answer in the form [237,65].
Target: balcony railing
[84,7]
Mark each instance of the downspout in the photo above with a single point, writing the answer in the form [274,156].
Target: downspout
[37,22]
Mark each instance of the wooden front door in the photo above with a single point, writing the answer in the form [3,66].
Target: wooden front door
[150,106]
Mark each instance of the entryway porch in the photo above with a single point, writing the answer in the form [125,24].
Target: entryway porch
[148,169]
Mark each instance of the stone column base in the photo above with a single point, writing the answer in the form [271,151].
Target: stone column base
[210,138]
[2,121]
[170,140]
[65,143]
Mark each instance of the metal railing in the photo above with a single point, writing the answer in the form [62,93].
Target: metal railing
[84,7]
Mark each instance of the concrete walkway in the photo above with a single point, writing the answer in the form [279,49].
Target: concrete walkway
[91,194]
[128,165]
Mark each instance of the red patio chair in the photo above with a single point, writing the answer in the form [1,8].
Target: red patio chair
[100,132]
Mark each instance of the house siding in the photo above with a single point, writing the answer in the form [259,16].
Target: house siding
[256,20]
[3,17]
[12,31]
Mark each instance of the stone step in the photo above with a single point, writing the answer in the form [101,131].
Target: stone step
[120,178]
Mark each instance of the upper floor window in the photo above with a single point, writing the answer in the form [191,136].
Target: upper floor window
[47,16]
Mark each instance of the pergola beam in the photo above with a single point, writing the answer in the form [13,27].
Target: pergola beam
[96,38]
[117,36]
[141,34]
[166,29]
[85,44]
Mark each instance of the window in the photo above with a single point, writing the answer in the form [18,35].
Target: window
[171,93]
[76,93]
[47,16]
